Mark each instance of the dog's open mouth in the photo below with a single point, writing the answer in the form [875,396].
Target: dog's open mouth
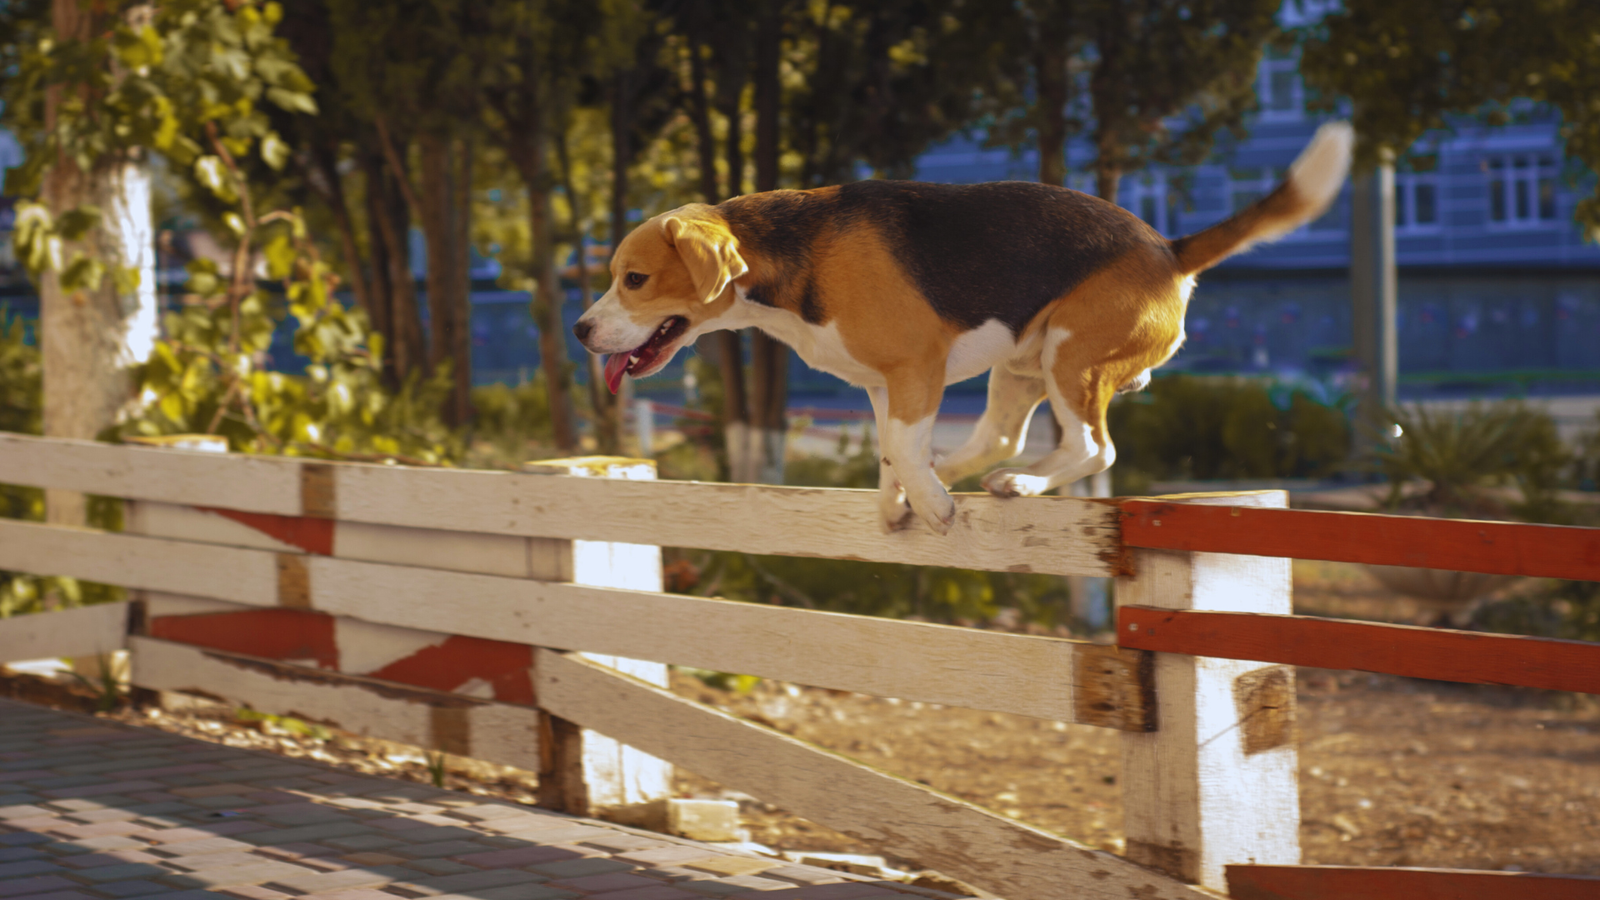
[642,357]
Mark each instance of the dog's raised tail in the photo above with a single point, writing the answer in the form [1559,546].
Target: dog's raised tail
[1313,183]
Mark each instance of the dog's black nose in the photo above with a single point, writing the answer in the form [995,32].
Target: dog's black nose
[582,330]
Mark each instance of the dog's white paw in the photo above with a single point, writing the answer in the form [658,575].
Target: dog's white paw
[894,511]
[940,514]
[1015,483]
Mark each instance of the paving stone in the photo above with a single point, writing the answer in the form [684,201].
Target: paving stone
[610,881]
[121,872]
[731,886]
[207,861]
[470,882]
[521,856]
[27,867]
[437,849]
[675,853]
[523,892]
[59,895]
[562,834]
[351,894]
[110,842]
[315,882]
[212,790]
[374,858]
[202,846]
[806,875]
[96,829]
[319,833]
[26,811]
[252,892]
[363,842]
[14,854]
[434,866]
[574,868]
[89,817]
[298,850]
[620,841]
[253,873]
[654,892]
[428,834]
[89,790]
[135,888]
[486,812]
[221,801]
[108,858]
[22,838]
[21,887]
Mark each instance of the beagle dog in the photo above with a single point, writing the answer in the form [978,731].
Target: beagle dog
[902,288]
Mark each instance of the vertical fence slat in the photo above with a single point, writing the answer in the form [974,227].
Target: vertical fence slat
[582,770]
[1217,782]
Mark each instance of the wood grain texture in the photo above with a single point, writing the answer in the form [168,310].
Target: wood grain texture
[1193,799]
[178,567]
[1356,883]
[1437,653]
[1031,676]
[888,813]
[1054,535]
[483,729]
[1504,548]
[265,484]
[85,631]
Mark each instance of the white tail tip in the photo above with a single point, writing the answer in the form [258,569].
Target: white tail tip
[1320,170]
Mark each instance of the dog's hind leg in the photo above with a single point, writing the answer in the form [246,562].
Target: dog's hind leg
[1003,428]
[1079,402]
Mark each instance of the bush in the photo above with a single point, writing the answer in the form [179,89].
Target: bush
[1186,427]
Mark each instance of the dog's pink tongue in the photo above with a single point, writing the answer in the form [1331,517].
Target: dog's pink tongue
[616,367]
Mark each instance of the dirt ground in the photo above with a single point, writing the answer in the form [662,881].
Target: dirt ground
[1392,771]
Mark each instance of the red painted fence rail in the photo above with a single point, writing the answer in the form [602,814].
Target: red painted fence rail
[1436,653]
[1356,883]
[1501,548]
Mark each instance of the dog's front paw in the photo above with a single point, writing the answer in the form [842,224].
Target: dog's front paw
[936,507]
[893,510]
[1014,483]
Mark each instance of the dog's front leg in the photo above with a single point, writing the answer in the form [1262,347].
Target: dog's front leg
[907,444]
[892,507]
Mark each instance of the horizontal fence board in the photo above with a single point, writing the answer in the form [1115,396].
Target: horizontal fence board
[1051,535]
[888,813]
[1437,653]
[465,726]
[264,484]
[1023,674]
[179,567]
[1357,883]
[1054,535]
[1501,548]
[85,631]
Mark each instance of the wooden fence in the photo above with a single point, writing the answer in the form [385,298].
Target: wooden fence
[520,618]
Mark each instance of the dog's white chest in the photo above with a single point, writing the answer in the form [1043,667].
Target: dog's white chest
[823,348]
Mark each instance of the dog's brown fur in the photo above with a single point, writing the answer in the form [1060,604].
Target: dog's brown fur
[902,288]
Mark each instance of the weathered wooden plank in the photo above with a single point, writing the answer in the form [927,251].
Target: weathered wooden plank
[1357,883]
[179,567]
[888,813]
[86,632]
[1054,535]
[465,726]
[1033,676]
[264,484]
[1209,787]
[1440,654]
[1503,548]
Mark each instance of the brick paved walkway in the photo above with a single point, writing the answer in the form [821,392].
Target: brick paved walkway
[92,810]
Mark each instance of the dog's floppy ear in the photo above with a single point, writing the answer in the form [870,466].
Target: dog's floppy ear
[709,250]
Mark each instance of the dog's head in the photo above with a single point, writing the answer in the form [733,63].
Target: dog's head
[670,279]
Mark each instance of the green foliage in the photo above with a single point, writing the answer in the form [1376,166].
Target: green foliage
[1186,427]
[513,421]
[20,378]
[1463,453]
[1557,609]
[1412,68]
[287,724]
[844,469]
[106,686]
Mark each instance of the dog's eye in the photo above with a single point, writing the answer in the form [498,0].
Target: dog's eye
[635,280]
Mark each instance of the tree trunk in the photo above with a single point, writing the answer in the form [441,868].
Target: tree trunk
[1050,67]
[769,357]
[1107,178]
[462,348]
[607,427]
[730,346]
[323,176]
[547,298]
[448,287]
[380,296]
[394,226]
[91,338]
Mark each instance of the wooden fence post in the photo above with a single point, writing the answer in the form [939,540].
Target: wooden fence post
[583,771]
[1217,782]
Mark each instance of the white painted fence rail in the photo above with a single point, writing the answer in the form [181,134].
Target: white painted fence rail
[371,577]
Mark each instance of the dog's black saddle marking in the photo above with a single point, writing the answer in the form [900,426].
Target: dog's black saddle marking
[977,252]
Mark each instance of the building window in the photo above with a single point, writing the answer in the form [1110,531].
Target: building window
[1149,196]
[1279,87]
[1416,199]
[1522,189]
